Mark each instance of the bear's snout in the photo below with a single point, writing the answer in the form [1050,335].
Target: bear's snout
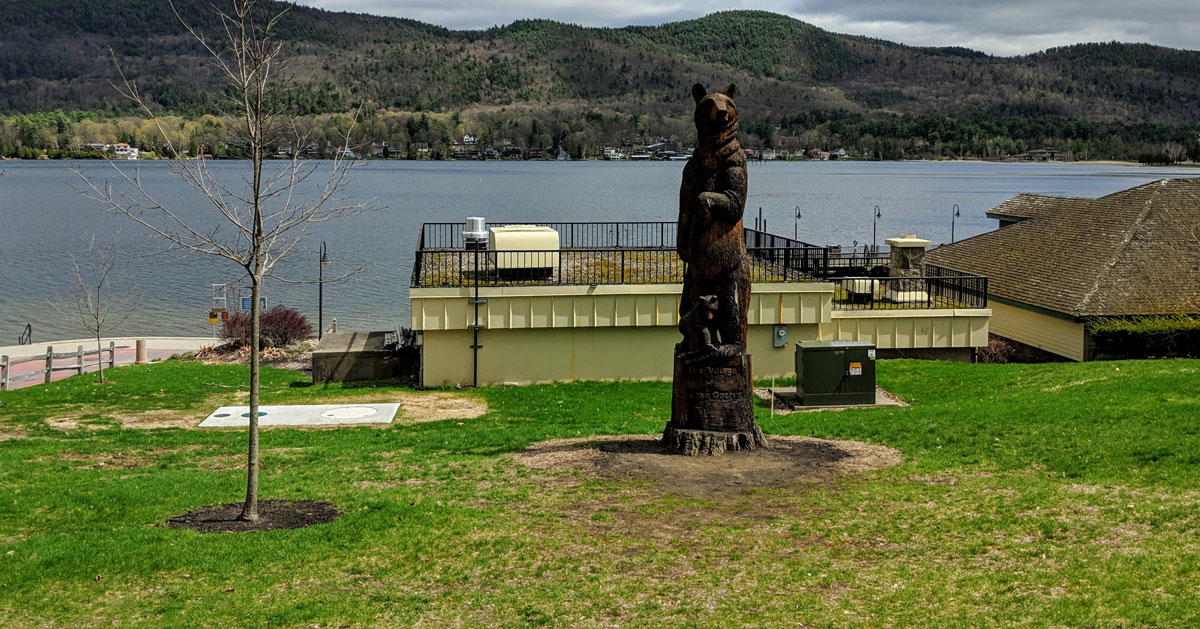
[717,110]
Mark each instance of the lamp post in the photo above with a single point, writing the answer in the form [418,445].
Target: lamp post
[874,225]
[321,291]
[796,232]
[953,216]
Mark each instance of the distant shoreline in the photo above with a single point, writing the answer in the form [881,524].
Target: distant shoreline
[1092,162]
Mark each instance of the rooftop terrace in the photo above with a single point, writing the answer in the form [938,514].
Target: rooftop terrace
[592,254]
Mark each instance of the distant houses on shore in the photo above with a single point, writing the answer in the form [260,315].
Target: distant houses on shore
[467,147]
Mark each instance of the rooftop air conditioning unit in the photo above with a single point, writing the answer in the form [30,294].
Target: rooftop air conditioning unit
[524,251]
[476,234]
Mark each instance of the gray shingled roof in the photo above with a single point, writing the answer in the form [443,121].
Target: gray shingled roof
[1136,251]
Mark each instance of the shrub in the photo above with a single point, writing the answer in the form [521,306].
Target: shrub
[236,329]
[278,327]
[284,326]
[1145,337]
[998,351]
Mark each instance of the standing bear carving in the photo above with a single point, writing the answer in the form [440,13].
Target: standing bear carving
[712,198]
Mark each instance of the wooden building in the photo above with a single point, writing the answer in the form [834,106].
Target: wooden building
[1058,262]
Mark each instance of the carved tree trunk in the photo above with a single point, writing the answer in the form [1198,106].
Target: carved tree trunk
[712,406]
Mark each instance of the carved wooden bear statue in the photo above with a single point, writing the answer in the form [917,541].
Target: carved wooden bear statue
[712,199]
[696,326]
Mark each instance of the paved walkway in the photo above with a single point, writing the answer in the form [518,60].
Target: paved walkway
[157,348]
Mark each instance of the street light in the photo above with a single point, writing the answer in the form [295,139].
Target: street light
[953,216]
[796,233]
[874,225]
[321,291]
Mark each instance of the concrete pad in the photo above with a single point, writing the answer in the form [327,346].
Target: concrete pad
[303,415]
[786,401]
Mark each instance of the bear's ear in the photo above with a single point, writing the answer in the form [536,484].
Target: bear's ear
[730,90]
[698,93]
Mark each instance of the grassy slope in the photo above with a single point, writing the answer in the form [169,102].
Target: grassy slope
[1030,495]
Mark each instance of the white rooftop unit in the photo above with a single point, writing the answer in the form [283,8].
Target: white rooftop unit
[532,250]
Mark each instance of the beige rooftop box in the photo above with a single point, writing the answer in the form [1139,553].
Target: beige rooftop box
[526,242]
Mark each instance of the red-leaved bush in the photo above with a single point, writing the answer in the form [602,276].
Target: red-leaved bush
[278,327]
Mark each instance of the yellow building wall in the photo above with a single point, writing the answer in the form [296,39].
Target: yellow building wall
[556,333]
[910,329]
[1059,336]
[529,307]
[527,356]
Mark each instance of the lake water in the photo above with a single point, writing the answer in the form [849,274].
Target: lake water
[43,219]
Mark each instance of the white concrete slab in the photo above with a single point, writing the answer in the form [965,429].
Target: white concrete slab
[303,415]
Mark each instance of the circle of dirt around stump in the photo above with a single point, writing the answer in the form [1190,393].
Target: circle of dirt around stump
[272,515]
[786,462]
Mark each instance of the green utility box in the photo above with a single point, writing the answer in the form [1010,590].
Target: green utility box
[835,372]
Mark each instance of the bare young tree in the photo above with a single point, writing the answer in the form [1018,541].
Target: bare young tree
[265,217]
[98,310]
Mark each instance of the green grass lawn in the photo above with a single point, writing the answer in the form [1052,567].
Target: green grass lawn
[1029,495]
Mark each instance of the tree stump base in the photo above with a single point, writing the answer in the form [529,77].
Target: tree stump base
[712,405]
[711,442]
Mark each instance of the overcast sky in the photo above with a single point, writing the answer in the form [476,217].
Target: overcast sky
[999,27]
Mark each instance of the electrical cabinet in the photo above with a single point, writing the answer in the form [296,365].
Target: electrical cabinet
[835,372]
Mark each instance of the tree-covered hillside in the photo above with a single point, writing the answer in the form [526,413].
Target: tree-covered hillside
[54,53]
[543,83]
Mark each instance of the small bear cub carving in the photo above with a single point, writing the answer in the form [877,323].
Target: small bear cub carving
[698,327]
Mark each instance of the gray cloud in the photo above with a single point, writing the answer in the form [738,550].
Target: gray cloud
[1002,27]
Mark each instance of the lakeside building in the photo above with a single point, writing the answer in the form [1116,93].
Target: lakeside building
[1056,263]
[600,301]
[122,150]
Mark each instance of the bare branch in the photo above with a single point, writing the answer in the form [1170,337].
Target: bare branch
[266,217]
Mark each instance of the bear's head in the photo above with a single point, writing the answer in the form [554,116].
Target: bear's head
[716,113]
[708,303]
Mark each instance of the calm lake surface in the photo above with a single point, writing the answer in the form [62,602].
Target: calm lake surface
[43,219]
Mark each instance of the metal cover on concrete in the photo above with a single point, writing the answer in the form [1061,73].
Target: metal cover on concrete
[303,415]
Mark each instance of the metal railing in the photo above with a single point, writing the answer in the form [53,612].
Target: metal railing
[593,267]
[958,286]
[602,235]
[26,337]
[924,292]
[858,263]
[644,253]
[758,238]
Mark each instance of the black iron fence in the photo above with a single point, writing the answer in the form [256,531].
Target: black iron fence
[582,267]
[858,263]
[887,293]
[604,235]
[610,235]
[644,253]
[758,238]
[957,286]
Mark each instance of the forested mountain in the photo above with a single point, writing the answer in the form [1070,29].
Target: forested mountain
[55,54]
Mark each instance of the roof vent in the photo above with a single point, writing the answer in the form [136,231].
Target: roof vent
[476,234]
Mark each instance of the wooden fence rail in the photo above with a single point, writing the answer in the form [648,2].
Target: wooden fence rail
[51,356]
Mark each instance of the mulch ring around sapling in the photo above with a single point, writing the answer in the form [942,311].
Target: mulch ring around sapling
[272,515]
[789,461]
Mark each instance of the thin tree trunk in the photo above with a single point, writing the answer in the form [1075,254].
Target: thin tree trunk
[257,270]
[99,357]
[250,508]
[99,350]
